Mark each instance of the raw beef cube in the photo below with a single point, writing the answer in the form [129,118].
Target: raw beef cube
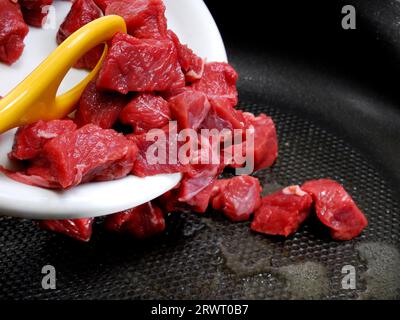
[146,111]
[168,94]
[87,154]
[336,209]
[238,197]
[39,167]
[203,170]
[102,4]
[13,30]
[82,12]
[154,152]
[222,117]
[192,186]
[200,202]
[31,180]
[234,155]
[30,139]
[169,202]
[265,140]
[189,108]
[35,11]
[219,83]
[283,212]
[143,222]
[144,18]
[192,65]
[141,65]
[118,169]
[79,229]
[99,107]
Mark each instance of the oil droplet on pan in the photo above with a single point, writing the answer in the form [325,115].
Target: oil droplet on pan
[382,277]
[307,280]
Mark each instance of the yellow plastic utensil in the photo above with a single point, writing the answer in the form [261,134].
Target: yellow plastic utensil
[36,98]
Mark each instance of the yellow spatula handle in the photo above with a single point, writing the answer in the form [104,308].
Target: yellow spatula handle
[35,98]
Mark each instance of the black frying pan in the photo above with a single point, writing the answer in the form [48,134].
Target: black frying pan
[335,99]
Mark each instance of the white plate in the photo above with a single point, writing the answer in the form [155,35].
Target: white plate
[193,23]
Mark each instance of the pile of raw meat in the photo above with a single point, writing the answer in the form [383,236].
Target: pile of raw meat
[147,80]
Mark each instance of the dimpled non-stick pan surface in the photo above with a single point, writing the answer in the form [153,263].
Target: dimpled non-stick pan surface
[335,99]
